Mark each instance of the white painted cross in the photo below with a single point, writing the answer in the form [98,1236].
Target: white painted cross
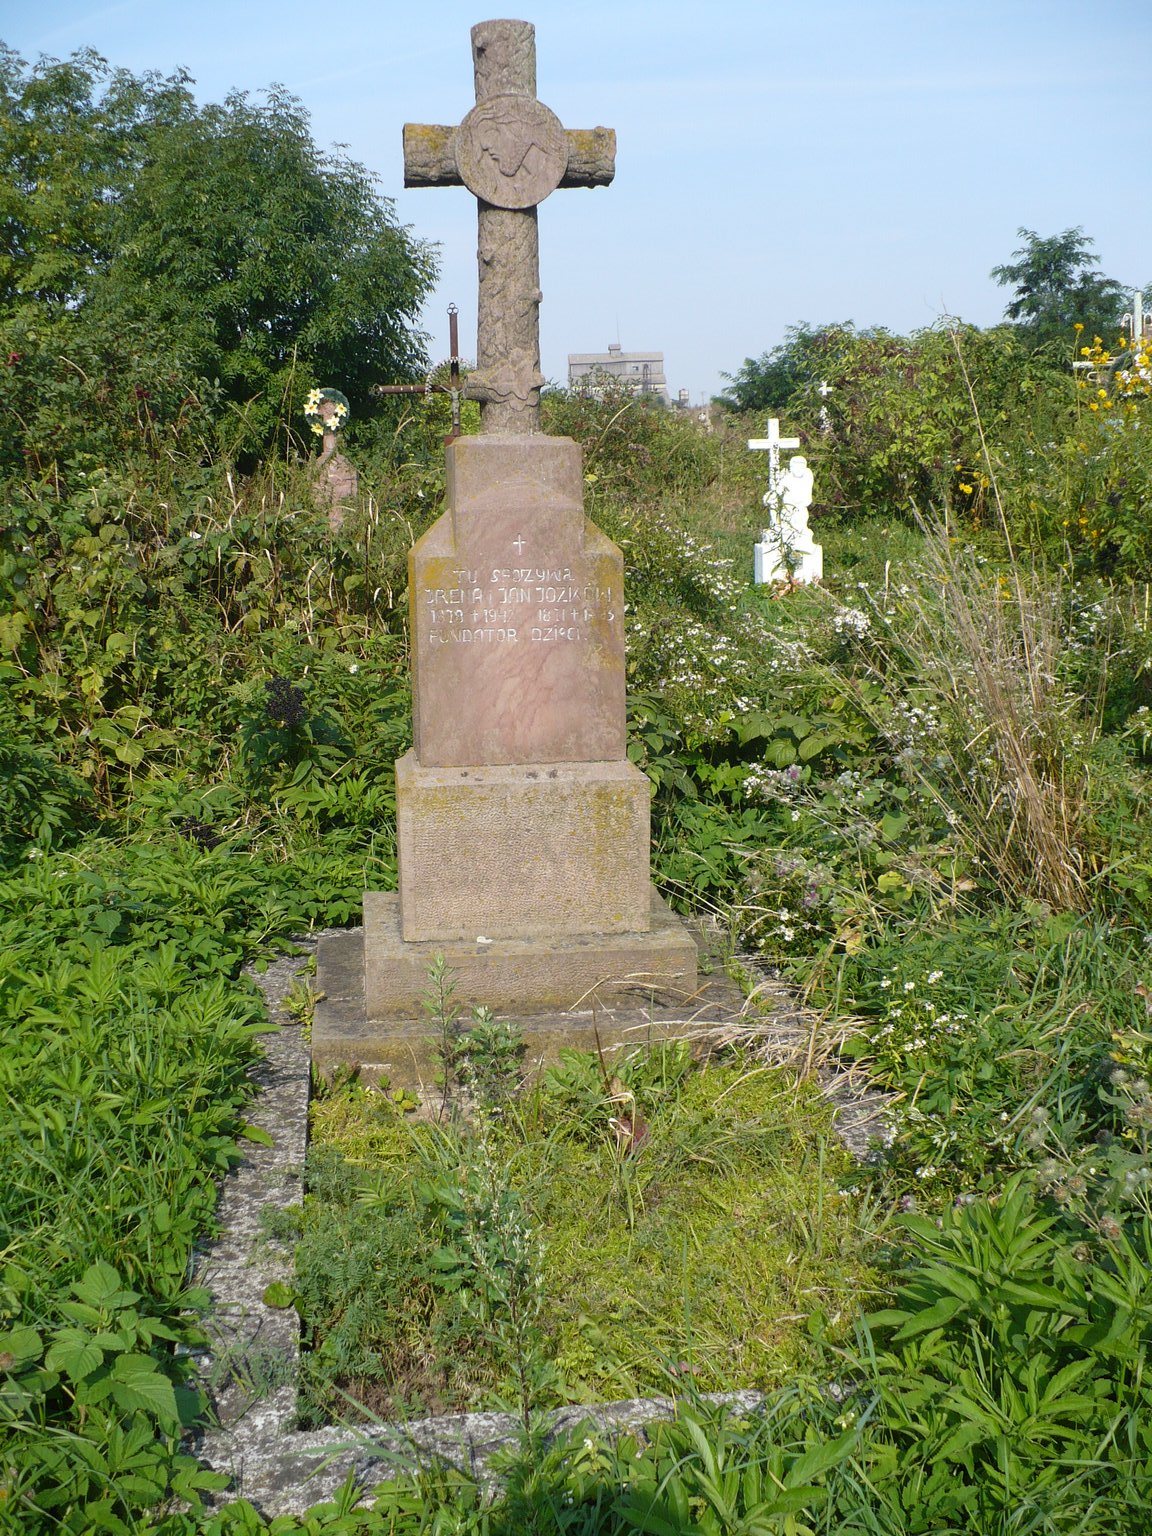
[824,390]
[773,443]
[1135,320]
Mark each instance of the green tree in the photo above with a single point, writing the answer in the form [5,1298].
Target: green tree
[1056,285]
[774,380]
[72,137]
[158,258]
[263,257]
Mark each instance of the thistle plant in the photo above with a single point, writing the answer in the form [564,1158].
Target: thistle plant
[492,1262]
[443,1011]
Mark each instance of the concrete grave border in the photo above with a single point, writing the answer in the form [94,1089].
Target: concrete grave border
[250,1366]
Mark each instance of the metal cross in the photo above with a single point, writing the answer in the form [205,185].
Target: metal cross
[511,152]
[773,443]
[428,388]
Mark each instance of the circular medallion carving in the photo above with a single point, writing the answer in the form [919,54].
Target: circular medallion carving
[511,151]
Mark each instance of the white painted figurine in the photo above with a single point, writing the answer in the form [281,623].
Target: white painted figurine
[786,551]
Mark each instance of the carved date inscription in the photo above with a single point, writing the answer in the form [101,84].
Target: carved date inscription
[516,605]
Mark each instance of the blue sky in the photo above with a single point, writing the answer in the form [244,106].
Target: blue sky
[778,162]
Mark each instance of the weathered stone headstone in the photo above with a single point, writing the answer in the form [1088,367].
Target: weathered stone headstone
[337,483]
[523,828]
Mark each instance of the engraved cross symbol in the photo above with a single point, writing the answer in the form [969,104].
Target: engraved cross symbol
[511,151]
[518,545]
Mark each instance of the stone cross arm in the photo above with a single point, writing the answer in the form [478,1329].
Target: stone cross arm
[430,156]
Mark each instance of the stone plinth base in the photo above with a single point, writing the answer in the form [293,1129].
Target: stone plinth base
[526,975]
[771,568]
[628,989]
[530,851]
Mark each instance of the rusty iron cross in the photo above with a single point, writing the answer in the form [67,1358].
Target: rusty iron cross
[511,152]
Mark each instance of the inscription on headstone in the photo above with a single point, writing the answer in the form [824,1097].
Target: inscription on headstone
[517,614]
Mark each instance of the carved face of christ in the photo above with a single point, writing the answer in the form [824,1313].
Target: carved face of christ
[507,141]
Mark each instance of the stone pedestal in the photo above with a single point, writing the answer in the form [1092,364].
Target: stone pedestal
[612,994]
[522,852]
[523,830]
[522,976]
[337,484]
[770,567]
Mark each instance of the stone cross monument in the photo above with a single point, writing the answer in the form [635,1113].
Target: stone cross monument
[511,151]
[522,826]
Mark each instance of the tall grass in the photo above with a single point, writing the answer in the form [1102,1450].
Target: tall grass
[1017,736]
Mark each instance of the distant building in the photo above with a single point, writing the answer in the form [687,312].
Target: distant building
[591,373]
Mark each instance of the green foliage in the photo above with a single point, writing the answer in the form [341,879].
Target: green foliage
[634,449]
[124,1075]
[99,1410]
[281,740]
[72,132]
[1011,1375]
[41,803]
[264,260]
[789,375]
[1055,286]
[160,259]
[134,625]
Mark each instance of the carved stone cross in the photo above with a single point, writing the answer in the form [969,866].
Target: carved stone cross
[511,152]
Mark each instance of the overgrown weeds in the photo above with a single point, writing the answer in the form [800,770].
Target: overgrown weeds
[718,1226]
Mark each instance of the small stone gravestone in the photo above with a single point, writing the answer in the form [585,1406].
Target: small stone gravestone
[326,412]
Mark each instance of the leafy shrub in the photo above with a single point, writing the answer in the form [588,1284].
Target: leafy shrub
[1011,1375]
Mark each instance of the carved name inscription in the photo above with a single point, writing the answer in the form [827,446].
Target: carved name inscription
[516,605]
